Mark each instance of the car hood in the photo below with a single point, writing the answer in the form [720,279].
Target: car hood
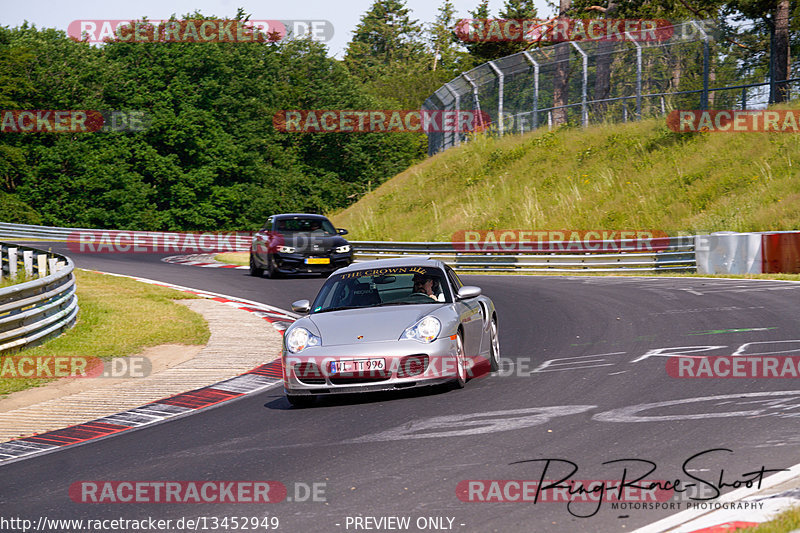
[312,242]
[375,324]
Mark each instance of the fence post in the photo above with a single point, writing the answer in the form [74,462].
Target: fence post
[12,263]
[500,80]
[638,76]
[584,82]
[476,102]
[457,133]
[704,94]
[744,97]
[535,88]
[27,262]
[41,265]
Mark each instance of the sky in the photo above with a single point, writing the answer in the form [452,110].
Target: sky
[344,15]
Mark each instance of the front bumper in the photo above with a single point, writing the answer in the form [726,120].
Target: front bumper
[294,263]
[408,364]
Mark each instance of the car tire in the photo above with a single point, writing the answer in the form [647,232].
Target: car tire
[494,347]
[254,270]
[461,364]
[272,269]
[300,401]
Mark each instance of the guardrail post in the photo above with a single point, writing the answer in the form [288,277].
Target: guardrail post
[500,80]
[41,265]
[584,82]
[53,265]
[12,263]
[535,88]
[27,262]
[457,133]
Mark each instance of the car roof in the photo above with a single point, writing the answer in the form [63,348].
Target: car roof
[298,215]
[393,263]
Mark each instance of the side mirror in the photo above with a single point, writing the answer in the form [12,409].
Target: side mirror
[468,291]
[341,231]
[301,306]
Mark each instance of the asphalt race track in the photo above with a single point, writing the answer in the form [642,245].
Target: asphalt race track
[583,354]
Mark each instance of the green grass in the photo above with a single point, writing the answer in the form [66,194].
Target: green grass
[20,278]
[785,522]
[118,317]
[634,176]
[234,258]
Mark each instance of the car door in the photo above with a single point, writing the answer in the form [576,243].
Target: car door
[469,312]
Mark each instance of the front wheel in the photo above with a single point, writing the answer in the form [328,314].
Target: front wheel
[494,344]
[300,401]
[461,364]
[254,270]
[272,268]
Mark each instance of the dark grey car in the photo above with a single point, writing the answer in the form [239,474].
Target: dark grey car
[298,242]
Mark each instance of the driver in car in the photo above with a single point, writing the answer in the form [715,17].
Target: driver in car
[428,285]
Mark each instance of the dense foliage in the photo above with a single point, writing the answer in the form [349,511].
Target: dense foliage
[211,158]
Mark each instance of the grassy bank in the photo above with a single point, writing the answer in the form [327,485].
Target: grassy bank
[617,177]
[786,522]
[118,317]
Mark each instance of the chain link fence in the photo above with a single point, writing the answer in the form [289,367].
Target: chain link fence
[702,65]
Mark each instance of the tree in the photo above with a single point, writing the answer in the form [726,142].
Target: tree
[385,35]
[484,51]
[561,77]
[775,13]
[442,36]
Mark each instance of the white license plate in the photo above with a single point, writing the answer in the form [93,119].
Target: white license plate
[357,365]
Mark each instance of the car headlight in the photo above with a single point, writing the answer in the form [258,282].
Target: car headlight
[286,249]
[342,249]
[300,338]
[426,330]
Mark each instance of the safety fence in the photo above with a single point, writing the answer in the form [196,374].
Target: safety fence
[702,65]
[33,310]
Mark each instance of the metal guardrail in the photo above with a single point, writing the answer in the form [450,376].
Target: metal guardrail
[33,311]
[667,254]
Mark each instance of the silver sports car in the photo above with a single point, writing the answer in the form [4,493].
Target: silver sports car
[386,325]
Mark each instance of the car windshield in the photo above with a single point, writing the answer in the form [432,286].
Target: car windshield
[309,225]
[406,285]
